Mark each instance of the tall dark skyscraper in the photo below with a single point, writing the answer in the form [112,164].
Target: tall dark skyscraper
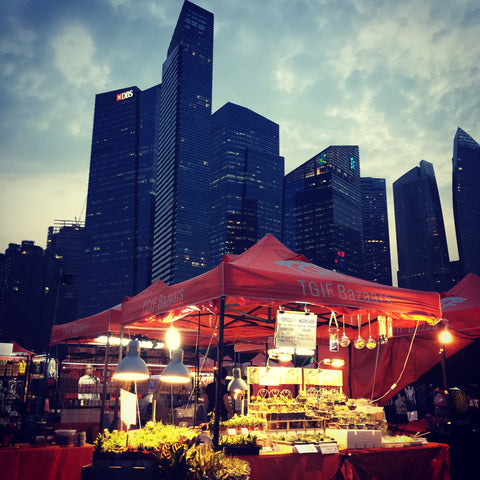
[63,255]
[466,199]
[119,216]
[376,241]
[322,211]
[423,260]
[22,296]
[181,240]
[247,180]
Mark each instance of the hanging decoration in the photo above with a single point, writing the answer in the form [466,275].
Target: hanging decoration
[382,330]
[371,342]
[333,333]
[359,342]
[344,341]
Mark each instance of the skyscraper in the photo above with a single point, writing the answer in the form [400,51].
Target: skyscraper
[181,238]
[247,180]
[466,199]
[22,297]
[119,215]
[376,241]
[63,258]
[322,211]
[421,242]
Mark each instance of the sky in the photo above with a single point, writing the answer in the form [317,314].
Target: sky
[395,78]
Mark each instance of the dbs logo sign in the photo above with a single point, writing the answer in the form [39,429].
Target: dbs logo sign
[124,95]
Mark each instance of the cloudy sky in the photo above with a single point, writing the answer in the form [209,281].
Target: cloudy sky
[394,78]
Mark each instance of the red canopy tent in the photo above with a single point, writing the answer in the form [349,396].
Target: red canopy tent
[256,283]
[373,372]
[237,301]
[88,328]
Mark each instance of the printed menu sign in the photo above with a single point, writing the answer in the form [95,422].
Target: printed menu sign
[296,330]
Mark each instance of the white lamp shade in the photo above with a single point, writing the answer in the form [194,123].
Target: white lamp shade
[176,371]
[132,367]
[237,383]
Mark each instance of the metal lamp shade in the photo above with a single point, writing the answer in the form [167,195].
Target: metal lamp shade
[132,367]
[176,371]
[237,383]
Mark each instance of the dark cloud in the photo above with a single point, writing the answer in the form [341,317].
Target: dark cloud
[395,78]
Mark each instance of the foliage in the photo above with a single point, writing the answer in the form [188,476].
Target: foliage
[172,461]
[243,421]
[208,464]
[228,440]
[149,438]
[176,455]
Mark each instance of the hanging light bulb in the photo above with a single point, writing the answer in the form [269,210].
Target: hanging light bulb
[445,335]
[172,338]
[333,362]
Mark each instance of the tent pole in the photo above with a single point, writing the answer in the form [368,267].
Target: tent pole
[196,385]
[104,390]
[350,370]
[218,380]
[116,422]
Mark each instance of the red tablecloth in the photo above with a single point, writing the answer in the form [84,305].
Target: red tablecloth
[294,466]
[44,462]
[427,462]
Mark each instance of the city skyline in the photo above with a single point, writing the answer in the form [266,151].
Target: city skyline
[397,80]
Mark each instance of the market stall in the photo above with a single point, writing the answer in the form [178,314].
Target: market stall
[242,300]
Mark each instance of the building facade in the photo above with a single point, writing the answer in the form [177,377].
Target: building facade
[466,199]
[376,240]
[247,180]
[322,210]
[119,215]
[22,297]
[63,258]
[181,238]
[423,260]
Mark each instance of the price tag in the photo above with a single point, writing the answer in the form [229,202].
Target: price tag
[267,450]
[244,431]
[329,448]
[231,431]
[308,448]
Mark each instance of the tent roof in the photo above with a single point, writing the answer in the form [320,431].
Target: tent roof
[260,280]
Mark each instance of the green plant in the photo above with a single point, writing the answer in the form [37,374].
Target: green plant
[207,464]
[172,461]
[229,440]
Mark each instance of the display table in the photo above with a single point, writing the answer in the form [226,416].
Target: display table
[44,462]
[426,462]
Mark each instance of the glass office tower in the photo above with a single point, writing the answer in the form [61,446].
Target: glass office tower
[376,241]
[466,199]
[119,215]
[423,260]
[247,180]
[181,239]
[322,211]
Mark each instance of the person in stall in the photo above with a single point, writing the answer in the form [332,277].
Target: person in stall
[226,410]
[88,387]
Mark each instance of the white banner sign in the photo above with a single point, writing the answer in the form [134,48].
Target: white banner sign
[296,329]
